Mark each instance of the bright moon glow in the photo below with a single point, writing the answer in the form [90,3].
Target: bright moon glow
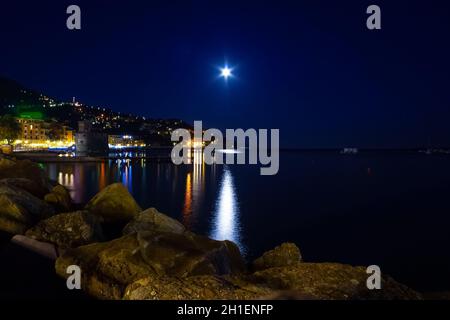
[225,72]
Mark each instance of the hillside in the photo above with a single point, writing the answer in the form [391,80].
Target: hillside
[13,93]
[20,101]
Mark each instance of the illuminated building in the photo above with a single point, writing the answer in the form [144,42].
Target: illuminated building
[41,134]
[34,130]
[125,141]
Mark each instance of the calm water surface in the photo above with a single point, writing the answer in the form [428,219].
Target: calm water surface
[388,210]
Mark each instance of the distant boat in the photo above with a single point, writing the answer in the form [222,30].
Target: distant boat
[349,151]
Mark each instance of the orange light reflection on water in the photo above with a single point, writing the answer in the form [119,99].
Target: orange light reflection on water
[187,208]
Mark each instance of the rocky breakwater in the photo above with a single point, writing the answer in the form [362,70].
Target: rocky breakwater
[24,187]
[125,252]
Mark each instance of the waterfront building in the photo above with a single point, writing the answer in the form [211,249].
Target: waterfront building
[41,134]
[34,130]
[125,141]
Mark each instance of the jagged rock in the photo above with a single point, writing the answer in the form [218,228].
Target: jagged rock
[12,226]
[163,265]
[284,255]
[28,185]
[153,220]
[204,287]
[35,206]
[331,281]
[9,208]
[189,254]
[59,197]
[20,209]
[303,281]
[68,230]
[24,169]
[109,267]
[114,203]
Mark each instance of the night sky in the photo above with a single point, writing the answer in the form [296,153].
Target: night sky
[310,68]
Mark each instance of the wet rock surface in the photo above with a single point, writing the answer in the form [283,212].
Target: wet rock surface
[19,209]
[111,266]
[331,281]
[204,287]
[23,185]
[28,185]
[166,265]
[25,169]
[59,198]
[10,224]
[305,281]
[68,230]
[284,255]
[113,204]
[151,220]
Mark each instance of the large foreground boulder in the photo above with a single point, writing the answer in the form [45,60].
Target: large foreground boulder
[281,275]
[26,169]
[108,268]
[19,209]
[303,281]
[167,265]
[23,185]
[205,287]
[152,220]
[286,254]
[28,185]
[11,225]
[189,254]
[330,281]
[114,204]
[68,230]
[35,206]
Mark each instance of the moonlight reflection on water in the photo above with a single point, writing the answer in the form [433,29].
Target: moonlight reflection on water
[226,213]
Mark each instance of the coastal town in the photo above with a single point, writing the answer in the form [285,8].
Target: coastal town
[32,122]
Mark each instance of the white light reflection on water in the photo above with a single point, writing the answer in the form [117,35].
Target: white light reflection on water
[66,179]
[226,216]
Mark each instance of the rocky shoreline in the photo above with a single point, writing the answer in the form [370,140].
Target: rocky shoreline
[125,252]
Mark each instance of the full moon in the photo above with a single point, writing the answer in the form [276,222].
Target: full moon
[225,72]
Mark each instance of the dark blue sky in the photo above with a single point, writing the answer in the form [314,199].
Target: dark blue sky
[310,68]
